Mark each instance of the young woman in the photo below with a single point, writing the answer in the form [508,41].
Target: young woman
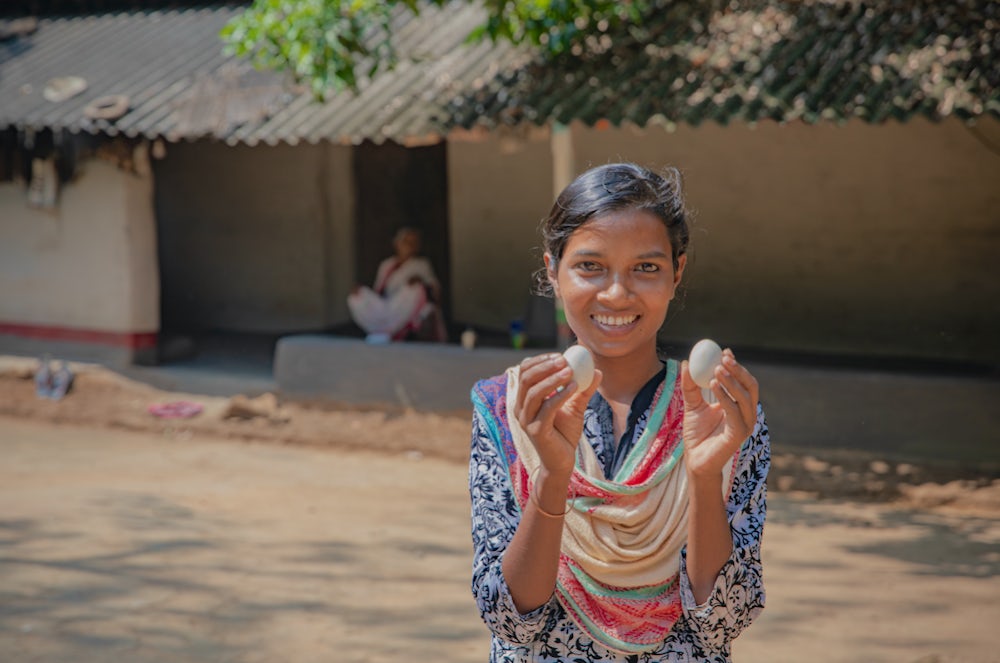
[621,522]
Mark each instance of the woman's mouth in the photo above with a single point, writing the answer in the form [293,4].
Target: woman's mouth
[614,321]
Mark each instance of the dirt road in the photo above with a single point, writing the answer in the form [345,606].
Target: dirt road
[144,547]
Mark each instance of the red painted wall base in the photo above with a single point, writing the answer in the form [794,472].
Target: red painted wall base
[129,340]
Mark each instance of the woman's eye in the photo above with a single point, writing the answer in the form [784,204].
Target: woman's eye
[588,266]
[649,267]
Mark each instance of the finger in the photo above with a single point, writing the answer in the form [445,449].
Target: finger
[552,384]
[736,393]
[742,375]
[734,417]
[747,381]
[532,369]
[553,406]
[692,392]
[555,386]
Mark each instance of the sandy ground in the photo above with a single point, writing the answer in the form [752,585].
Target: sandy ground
[297,534]
[105,399]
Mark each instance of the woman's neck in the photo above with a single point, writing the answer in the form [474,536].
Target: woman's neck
[623,377]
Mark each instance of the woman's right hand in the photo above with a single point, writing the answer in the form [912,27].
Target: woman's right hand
[552,419]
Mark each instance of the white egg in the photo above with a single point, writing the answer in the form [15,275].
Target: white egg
[705,356]
[582,363]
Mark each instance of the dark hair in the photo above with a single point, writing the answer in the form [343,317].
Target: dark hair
[613,188]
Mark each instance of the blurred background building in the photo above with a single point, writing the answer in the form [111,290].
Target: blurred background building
[841,159]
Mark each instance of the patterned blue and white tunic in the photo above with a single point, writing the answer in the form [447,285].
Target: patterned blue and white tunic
[703,632]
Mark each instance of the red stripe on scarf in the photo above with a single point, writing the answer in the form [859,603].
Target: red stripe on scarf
[644,622]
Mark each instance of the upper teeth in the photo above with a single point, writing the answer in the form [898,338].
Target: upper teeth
[615,320]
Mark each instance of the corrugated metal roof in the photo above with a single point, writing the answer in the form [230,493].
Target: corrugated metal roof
[171,66]
[807,60]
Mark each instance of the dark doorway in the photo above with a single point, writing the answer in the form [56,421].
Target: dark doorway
[402,186]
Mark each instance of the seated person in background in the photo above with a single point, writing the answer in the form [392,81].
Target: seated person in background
[403,304]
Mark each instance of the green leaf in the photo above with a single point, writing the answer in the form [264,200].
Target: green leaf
[322,42]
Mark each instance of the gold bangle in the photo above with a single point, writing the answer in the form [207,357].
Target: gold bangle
[538,505]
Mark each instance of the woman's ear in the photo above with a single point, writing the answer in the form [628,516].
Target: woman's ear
[679,272]
[681,264]
[551,267]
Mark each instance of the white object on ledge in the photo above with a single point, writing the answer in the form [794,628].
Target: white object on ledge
[469,339]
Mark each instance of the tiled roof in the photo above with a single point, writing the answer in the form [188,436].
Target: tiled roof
[805,60]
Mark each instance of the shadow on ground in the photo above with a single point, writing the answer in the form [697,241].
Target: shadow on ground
[158,582]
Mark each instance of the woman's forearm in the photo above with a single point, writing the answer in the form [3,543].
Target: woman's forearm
[531,562]
[710,540]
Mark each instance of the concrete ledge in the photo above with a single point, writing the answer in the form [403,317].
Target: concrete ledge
[893,414]
[424,376]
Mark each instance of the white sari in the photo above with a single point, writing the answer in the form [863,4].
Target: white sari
[396,305]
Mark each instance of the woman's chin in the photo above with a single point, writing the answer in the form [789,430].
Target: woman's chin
[611,348]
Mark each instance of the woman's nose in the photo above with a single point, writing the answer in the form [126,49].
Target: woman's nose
[616,290]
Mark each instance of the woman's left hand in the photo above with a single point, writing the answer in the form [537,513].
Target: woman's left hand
[713,432]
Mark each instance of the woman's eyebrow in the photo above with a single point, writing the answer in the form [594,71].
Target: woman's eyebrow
[594,253]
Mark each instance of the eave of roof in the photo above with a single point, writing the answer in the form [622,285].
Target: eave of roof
[181,85]
[809,60]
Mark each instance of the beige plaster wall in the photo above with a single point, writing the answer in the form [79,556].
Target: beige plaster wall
[90,263]
[255,239]
[857,239]
[500,189]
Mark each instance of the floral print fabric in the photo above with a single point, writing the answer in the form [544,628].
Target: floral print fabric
[703,632]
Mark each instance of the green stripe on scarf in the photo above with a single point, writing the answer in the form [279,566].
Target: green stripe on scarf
[642,593]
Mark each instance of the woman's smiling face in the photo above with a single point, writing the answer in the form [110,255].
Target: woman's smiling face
[616,279]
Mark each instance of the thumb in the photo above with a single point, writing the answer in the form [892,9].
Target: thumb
[692,392]
[576,405]
[580,400]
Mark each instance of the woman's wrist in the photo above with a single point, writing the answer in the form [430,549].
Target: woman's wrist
[549,491]
[558,477]
[705,482]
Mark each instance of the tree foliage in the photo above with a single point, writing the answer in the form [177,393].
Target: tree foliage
[334,44]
